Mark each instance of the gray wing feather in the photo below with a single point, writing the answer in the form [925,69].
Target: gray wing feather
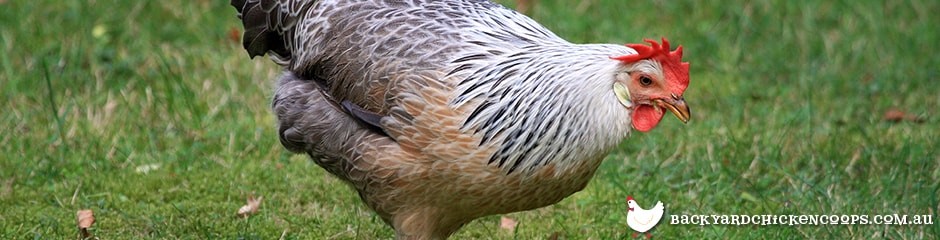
[359,47]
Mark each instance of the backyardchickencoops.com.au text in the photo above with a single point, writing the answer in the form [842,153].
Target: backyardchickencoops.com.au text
[793,220]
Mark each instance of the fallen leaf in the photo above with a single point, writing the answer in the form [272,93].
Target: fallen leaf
[508,224]
[85,219]
[234,35]
[894,115]
[524,6]
[897,115]
[146,168]
[251,207]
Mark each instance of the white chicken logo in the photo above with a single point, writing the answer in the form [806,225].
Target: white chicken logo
[642,220]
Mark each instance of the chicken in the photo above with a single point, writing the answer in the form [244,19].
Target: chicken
[438,112]
[642,220]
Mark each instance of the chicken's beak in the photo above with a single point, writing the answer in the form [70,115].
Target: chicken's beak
[677,106]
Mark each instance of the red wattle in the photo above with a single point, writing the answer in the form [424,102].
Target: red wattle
[646,117]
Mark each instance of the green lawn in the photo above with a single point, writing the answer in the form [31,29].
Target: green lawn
[788,101]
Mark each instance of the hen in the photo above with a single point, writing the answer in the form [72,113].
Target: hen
[441,112]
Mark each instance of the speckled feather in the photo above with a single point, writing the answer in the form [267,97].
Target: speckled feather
[482,110]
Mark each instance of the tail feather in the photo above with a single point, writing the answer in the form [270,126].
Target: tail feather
[269,25]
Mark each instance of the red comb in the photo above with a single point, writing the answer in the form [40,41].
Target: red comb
[677,72]
[629,198]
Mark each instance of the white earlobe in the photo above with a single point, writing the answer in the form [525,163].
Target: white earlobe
[623,94]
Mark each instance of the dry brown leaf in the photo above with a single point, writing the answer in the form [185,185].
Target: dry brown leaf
[508,224]
[251,207]
[85,219]
[524,6]
[234,35]
[897,115]
[894,115]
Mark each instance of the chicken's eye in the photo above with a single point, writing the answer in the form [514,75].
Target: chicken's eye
[646,81]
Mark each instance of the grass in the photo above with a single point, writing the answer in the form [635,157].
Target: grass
[788,100]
